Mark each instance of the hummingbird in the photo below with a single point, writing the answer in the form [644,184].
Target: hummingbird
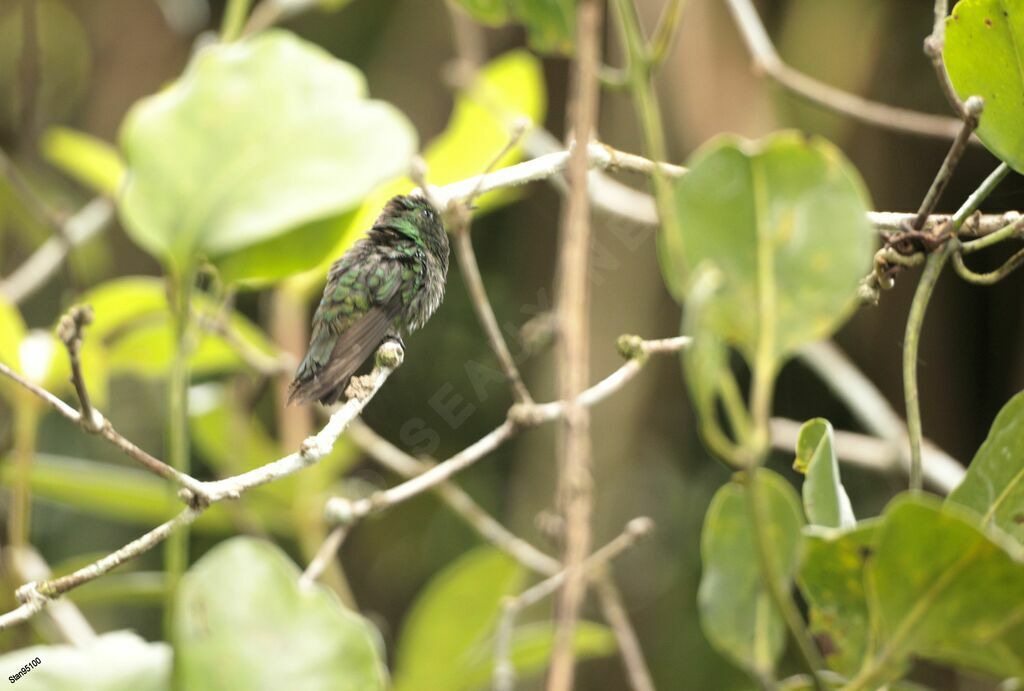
[388,282]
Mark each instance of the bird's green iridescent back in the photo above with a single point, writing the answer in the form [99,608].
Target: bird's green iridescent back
[390,281]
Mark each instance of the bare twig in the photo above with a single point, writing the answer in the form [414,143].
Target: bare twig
[767,61]
[323,557]
[28,565]
[504,672]
[35,595]
[33,273]
[344,510]
[71,331]
[200,495]
[575,476]
[629,646]
[933,46]
[105,430]
[972,110]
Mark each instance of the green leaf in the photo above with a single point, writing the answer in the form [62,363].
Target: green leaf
[90,160]
[531,650]
[12,331]
[509,87]
[783,220]
[293,252]
[115,661]
[831,578]
[982,56]
[825,498]
[736,610]
[243,622]
[133,323]
[994,484]
[550,24]
[489,12]
[455,610]
[257,138]
[111,491]
[940,588]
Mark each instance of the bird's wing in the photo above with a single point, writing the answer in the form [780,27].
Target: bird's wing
[348,330]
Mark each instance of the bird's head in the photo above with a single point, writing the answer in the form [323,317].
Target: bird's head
[416,218]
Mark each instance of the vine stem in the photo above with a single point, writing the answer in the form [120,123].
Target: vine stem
[234,20]
[776,588]
[912,336]
[176,547]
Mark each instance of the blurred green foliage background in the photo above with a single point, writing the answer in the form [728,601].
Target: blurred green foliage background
[96,58]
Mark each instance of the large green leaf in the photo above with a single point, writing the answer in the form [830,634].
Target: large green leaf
[550,24]
[736,611]
[508,88]
[115,661]
[257,138]
[831,578]
[456,609]
[825,498]
[243,622]
[941,588]
[12,331]
[994,484]
[783,221]
[983,58]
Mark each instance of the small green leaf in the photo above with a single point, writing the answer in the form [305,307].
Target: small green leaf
[736,611]
[455,610]
[825,498]
[994,484]
[90,160]
[831,579]
[212,169]
[110,491]
[115,661]
[940,588]
[982,56]
[302,637]
[783,221]
[531,650]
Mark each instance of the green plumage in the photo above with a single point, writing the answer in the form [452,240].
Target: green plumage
[388,283]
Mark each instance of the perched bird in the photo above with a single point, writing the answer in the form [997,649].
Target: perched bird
[388,282]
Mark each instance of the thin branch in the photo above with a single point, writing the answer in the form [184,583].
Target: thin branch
[28,565]
[345,511]
[767,61]
[200,495]
[105,430]
[35,595]
[33,273]
[504,672]
[972,110]
[323,557]
[574,493]
[629,646]
[71,331]
[934,44]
